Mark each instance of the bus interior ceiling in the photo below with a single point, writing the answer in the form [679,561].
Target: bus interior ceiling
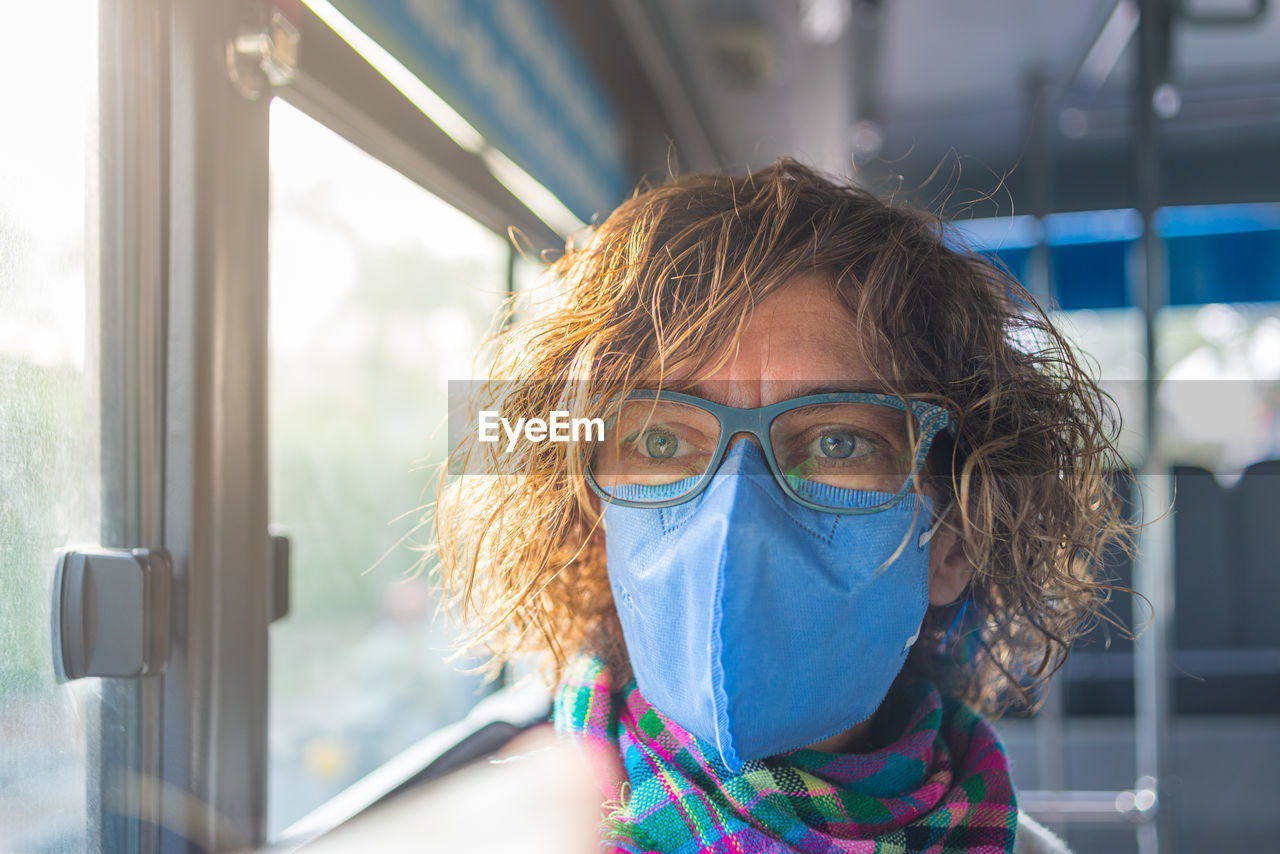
[993,108]
[1155,241]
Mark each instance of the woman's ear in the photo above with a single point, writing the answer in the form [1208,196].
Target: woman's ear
[949,566]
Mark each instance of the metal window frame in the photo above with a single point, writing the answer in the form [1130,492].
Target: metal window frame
[130,171]
[213,754]
[338,87]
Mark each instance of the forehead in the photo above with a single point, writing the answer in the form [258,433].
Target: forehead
[799,338]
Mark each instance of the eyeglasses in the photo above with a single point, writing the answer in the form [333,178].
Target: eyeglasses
[842,452]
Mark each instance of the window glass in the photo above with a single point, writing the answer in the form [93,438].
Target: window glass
[1221,390]
[1110,341]
[1219,396]
[526,271]
[380,294]
[49,420]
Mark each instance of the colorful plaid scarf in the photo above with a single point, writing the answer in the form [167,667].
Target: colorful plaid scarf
[942,786]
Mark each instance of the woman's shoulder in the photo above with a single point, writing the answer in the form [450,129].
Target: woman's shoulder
[1034,838]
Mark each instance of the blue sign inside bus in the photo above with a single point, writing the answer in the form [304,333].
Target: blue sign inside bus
[509,68]
[1215,253]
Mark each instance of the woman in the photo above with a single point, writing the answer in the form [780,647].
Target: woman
[847,494]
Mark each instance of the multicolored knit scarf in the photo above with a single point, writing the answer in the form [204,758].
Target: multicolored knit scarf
[942,786]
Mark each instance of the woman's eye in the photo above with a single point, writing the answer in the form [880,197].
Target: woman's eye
[837,446]
[660,444]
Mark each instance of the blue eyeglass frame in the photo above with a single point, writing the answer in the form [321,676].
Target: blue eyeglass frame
[757,421]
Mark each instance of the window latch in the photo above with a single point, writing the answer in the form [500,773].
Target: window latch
[279,579]
[111,612]
[259,57]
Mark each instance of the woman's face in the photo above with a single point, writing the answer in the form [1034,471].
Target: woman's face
[801,340]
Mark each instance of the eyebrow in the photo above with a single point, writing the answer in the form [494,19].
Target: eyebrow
[836,387]
[841,388]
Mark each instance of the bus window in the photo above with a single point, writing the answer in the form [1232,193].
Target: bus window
[50,460]
[380,294]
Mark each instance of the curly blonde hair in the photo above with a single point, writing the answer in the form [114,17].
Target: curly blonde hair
[667,280]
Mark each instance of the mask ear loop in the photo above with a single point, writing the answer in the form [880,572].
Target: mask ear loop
[926,536]
[955,621]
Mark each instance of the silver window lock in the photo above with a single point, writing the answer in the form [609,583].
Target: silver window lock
[262,56]
[111,612]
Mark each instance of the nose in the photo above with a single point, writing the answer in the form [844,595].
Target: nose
[739,460]
[741,435]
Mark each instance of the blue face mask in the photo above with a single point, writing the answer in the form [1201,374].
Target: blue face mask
[758,624]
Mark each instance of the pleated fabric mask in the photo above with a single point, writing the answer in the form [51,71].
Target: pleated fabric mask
[761,625]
